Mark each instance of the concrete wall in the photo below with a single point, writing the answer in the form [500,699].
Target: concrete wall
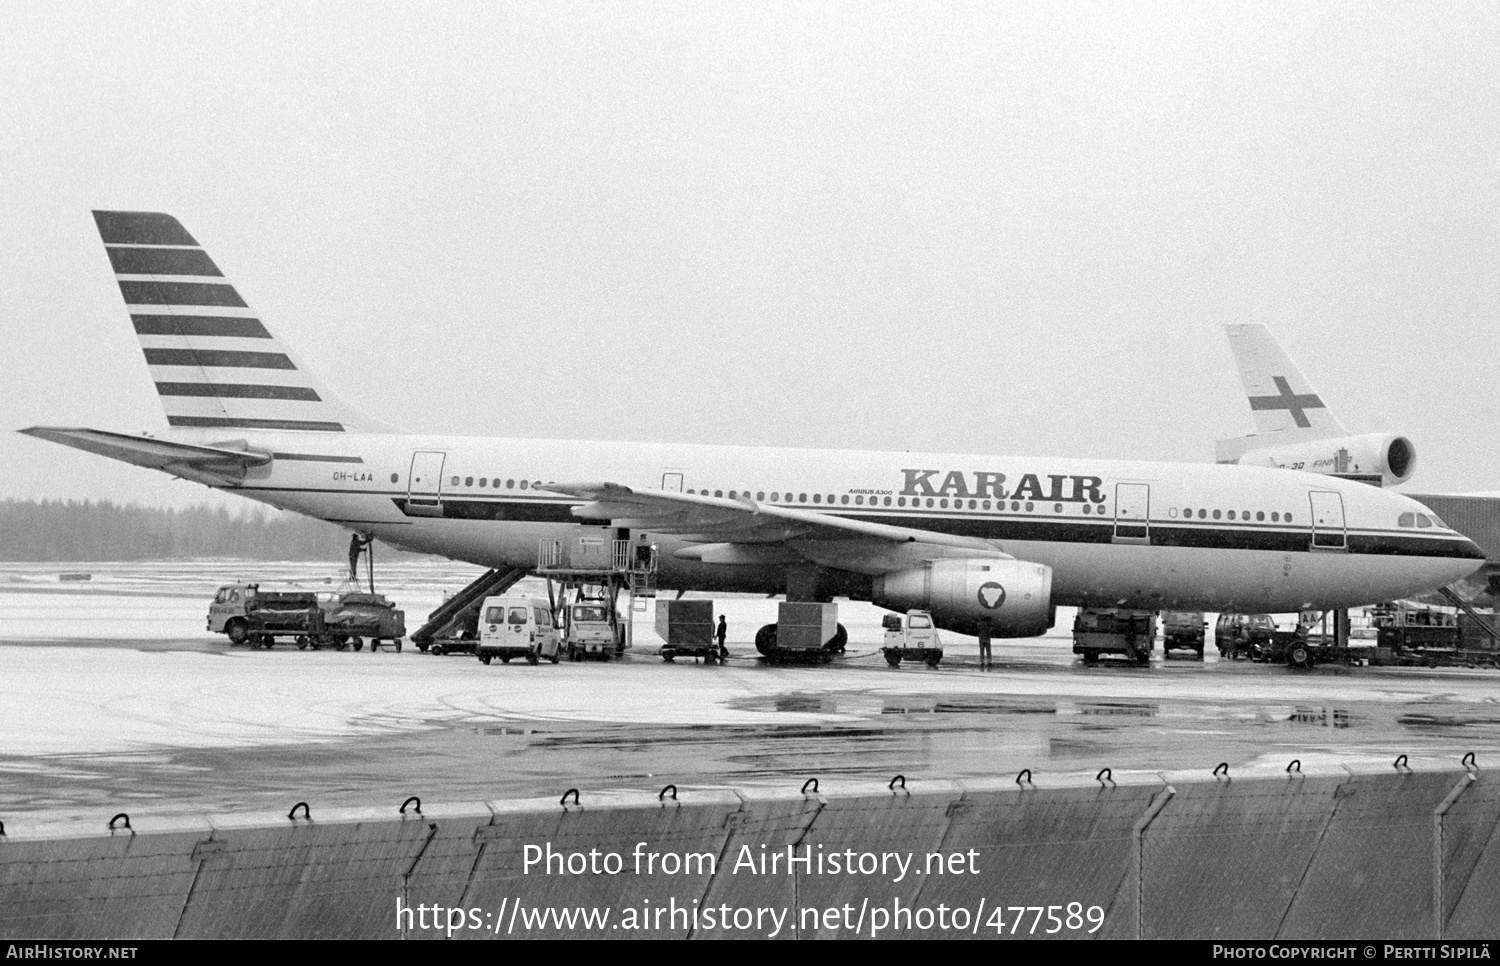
[1372,854]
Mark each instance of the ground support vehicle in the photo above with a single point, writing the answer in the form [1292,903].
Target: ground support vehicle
[1130,634]
[1183,631]
[911,639]
[686,628]
[464,643]
[591,624]
[1244,636]
[1416,636]
[352,617]
[803,632]
[275,614]
[517,627]
[453,628]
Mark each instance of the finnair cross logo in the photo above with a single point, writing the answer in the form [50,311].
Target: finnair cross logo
[1289,401]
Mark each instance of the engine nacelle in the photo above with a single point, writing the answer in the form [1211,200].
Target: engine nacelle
[1391,457]
[1009,598]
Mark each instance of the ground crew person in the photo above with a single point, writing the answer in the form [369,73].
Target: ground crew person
[357,544]
[721,632]
[984,647]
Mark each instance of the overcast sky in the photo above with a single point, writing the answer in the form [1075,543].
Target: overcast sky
[987,228]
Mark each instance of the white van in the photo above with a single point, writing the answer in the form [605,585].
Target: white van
[516,627]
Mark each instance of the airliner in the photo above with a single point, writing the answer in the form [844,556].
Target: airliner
[985,542]
[1295,429]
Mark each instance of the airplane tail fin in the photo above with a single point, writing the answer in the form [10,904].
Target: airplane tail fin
[1281,401]
[216,365]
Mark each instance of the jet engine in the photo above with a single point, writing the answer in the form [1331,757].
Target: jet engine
[1009,598]
[1391,457]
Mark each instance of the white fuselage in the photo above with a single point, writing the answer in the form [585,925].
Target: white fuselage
[1131,534]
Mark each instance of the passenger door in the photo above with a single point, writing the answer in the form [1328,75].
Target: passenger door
[1132,513]
[424,490]
[1328,521]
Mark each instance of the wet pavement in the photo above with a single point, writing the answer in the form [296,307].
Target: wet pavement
[100,718]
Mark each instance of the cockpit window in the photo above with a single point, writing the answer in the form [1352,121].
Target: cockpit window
[1406,520]
[1422,520]
[1438,523]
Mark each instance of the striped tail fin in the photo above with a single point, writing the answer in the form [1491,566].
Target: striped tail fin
[215,363]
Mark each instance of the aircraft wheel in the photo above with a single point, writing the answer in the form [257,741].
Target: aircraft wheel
[765,640]
[236,631]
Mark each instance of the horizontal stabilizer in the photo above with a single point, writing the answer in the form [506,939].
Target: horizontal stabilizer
[152,453]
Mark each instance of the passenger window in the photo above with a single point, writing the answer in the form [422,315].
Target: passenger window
[494,615]
[517,615]
[817,498]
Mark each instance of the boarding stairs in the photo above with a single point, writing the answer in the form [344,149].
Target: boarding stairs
[461,611]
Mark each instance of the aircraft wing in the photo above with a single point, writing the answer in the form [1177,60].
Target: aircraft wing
[219,464]
[743,530]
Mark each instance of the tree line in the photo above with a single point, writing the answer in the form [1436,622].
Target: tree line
[48,530]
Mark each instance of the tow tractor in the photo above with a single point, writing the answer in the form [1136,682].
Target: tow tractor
[591,629]
[914,639]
